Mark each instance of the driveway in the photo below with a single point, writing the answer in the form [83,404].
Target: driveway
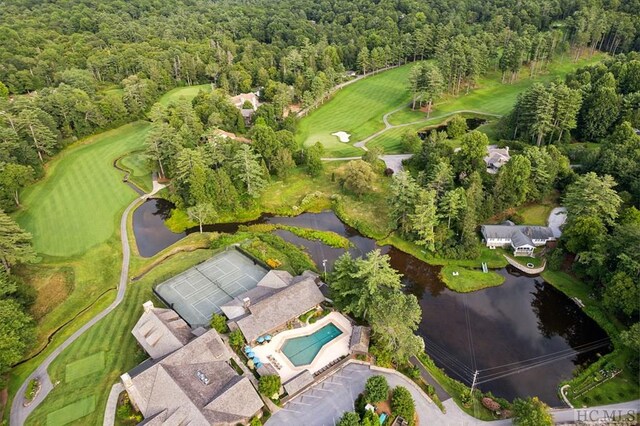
[557,218]
[324,403]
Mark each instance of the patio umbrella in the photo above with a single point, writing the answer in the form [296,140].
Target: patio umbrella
[258,364]
[260,339]
[256,361]
[247,349]
[251,354]
[267,337]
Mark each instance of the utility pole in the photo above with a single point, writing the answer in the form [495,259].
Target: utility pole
[473,385]
[324,266]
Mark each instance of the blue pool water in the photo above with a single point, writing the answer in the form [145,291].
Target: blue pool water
[302,350]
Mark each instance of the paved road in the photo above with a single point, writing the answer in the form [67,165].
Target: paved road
[324,403]
[557,218]
[442,394]
[19,412]
[387,125]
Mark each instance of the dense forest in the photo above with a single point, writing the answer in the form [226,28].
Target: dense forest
[70,69]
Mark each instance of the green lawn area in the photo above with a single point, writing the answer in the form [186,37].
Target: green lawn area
[537,213]
[138,166]
[491,97]
[85,366]
[469,280]
[356,109]
[112,338]
[73,208]
[493,258]
[188,92]
[72,412]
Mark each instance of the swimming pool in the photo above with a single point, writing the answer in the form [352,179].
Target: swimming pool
[302,350]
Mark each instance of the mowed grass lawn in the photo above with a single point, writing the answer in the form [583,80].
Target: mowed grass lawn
[88,368]
[188,92]
[491,97]
[356,109]
[73,208]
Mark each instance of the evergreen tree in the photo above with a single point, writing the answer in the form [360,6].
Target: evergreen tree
[246,165]
[15,244]
[424,220]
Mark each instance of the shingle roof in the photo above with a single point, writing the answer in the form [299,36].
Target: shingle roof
[519,235]
[276,309]
[161,331]
[359,341]
[195,385]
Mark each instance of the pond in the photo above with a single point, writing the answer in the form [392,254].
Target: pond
[523,337]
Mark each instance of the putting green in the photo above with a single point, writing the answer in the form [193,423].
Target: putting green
[356,109]
[188,92]
[72,412]
[84,367]
[76,206]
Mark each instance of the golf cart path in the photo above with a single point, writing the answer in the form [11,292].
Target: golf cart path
[19,412]
[387,125]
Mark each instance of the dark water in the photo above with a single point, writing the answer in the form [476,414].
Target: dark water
[472,124]
[152,235]
[521,324]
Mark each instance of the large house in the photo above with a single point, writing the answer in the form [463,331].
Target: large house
[277,299]
[239,102]
[496,158]
[189,379]
[523,239]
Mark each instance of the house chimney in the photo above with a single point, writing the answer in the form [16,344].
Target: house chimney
[246,302]
[148,306]
[126,380]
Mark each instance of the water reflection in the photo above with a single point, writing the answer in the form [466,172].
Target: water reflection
[523,319]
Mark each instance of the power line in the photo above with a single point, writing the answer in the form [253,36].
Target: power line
[524,368]
[571,350]
[444,354]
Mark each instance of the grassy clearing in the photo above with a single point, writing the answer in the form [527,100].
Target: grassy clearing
[73,208]
[356,109]
[491,97]
[72,412]
[118,358]
[139,171]
[83,367]
[187,92]
[493,258]
[623,387]
[469,280]
[300,193]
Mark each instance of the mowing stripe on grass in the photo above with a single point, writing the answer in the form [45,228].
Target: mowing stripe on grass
[84,367]
[72,412]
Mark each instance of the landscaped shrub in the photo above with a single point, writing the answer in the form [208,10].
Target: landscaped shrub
[219,323]
[490,404]
[269,386]
[299,260]
[376,389]
[236,340]
[402,404]
[370,418]
[349,419]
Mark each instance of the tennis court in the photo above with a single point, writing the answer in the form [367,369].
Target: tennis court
[200,291]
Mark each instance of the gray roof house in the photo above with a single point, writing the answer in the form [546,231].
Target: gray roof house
[161,331]
[496,158]
[523,239]
[277,299]
[359,341]
[193,385]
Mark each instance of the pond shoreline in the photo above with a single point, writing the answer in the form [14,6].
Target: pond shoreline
[489,311]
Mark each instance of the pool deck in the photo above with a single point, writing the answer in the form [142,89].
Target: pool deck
[331,351]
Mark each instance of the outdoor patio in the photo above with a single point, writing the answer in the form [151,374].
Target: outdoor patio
[270,352]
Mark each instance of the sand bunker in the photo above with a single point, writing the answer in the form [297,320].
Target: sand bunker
[342,136]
